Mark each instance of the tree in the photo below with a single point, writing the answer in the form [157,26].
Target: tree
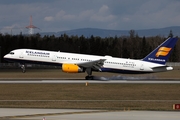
[170,34]
[144,48]
[125,50]
[132,33]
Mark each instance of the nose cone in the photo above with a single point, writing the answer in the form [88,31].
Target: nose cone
[5,56]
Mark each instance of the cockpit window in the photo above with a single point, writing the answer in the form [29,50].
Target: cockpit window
[12,53]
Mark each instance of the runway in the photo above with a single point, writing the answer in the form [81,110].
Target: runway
[81,114]
[36,81]
[86,114]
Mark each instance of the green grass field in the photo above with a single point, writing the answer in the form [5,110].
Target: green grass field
[93,96]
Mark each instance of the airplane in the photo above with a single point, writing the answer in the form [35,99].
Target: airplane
[77,63]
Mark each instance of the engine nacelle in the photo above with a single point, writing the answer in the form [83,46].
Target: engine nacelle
[71,68]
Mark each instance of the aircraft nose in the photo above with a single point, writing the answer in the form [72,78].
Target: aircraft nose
[6,56]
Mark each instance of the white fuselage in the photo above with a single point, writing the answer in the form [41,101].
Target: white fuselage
[111,64]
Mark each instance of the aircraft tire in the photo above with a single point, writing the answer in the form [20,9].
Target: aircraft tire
[89,77]
[23,71]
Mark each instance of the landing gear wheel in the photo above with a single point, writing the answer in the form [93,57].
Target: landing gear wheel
[89,72]
[89,77]
[23,68]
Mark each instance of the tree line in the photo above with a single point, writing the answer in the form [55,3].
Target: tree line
[132,46]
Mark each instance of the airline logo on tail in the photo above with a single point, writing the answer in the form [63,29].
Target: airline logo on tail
[161,54]
[163,51]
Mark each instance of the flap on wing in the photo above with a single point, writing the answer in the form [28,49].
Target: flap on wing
[96,64]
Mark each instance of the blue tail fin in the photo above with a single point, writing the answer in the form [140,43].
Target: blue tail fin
[162,52]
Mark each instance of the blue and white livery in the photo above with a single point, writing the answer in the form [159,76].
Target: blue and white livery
[75,63]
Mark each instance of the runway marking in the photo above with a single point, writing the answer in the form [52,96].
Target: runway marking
[52,114]
[89,100]
[90,81]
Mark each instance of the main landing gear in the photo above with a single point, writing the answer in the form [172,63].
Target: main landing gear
[89,72]
[89,77]
[23,68]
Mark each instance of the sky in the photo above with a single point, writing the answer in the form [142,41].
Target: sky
[60,15]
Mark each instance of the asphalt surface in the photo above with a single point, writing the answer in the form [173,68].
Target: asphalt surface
[79,114]
[92,81]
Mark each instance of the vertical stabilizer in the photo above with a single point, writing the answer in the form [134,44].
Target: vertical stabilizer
[161,54]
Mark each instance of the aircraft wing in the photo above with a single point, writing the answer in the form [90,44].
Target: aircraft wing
[96,64]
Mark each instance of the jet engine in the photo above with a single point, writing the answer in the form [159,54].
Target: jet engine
[71,68]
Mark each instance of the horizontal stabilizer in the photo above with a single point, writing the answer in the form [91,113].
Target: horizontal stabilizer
[162,68]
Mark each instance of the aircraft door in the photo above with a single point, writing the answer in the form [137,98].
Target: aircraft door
[141,66]
[54,58]
[21,55]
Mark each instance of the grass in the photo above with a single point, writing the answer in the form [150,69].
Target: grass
[93,96]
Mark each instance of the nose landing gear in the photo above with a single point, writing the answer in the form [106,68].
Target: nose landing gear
[23,68]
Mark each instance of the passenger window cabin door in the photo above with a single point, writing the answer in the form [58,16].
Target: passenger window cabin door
[54,58]
[141,66]
[21,55]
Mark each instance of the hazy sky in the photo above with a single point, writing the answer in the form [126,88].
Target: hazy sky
[58,15]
